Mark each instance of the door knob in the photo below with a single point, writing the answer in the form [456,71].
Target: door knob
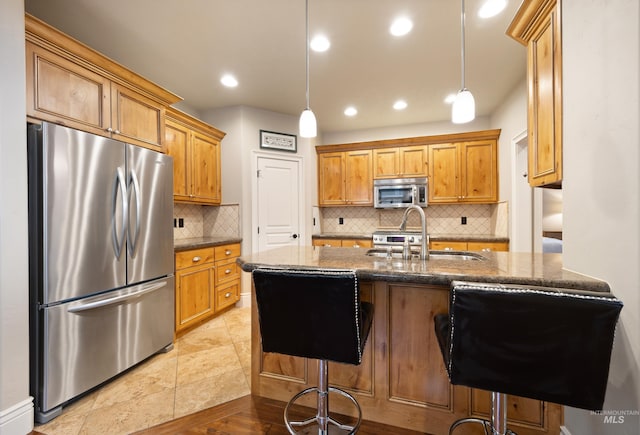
[295,236]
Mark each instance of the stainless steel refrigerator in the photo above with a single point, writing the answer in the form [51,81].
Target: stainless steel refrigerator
[101,261]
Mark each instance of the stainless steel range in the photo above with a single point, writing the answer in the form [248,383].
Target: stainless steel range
[395,239]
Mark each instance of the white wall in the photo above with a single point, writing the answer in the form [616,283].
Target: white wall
[601,182]
[396,132]
[16,408]
[511,117]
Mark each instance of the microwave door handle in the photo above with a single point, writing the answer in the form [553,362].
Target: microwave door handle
[414,196]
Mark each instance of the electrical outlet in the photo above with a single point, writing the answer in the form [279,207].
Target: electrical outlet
[181,222]
[175,222]
[463,220]
[341,221]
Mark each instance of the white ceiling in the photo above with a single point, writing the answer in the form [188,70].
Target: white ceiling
[185,46]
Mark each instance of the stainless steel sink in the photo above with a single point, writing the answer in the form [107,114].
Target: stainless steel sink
[433,255]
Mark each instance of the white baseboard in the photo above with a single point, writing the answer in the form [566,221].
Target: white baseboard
[17,420]
[564,430]
[245,300]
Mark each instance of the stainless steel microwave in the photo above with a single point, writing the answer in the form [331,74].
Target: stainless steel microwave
[400,192]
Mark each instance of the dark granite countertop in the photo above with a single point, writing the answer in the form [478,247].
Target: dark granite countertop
[432,237]
[203,242]
[498,267]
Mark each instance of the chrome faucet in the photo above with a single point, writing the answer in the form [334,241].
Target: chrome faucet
[424,247]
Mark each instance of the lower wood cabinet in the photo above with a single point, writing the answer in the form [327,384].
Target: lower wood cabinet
[450,245]
[402,380]
[207,282]
[344,243]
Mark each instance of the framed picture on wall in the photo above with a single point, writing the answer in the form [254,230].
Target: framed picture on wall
[278,141]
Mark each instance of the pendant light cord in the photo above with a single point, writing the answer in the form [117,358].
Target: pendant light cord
[307,49]
[462,43]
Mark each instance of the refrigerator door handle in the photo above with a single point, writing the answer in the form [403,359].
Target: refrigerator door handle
[117,299]
[119,183]
[132,242]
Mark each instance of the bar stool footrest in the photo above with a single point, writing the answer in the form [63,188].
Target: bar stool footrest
[486,424]
[313,425]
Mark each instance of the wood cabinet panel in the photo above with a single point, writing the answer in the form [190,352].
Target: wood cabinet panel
[448,246]
[177,140]
[194,257]
[538,26]
[345,178]
[519,409]
[226,252]
[61,91]
[227,271]
[194,295]
[195,148]
[444,245]
[488,246]
[331,184]
[227,294]
[464,172]
[400,162]
[416,371]
[344,243]
[136,119]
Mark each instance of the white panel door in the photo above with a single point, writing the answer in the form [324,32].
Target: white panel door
[278,203]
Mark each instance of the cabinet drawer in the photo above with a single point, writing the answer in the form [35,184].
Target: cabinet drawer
[227,295]
[193,257]
[227,271]
[448,246]
[227,251]
[356,243]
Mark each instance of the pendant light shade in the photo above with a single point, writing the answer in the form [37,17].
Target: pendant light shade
[308,124]
[464,106]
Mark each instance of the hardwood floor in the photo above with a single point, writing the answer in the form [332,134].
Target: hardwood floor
[250,415]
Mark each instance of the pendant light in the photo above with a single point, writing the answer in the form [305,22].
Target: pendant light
[464,106]
[308,124]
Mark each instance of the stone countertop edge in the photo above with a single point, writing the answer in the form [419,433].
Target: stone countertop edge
[544,270]
[432,237]
[203,242]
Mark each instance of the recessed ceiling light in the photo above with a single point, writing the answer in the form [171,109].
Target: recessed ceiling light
[400,105]
[401,26]
[229,81]
[351,111]
[449,99]
[320,43]
[491,8]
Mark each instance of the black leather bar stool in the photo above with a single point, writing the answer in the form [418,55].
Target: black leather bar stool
[548,344]
[314,314]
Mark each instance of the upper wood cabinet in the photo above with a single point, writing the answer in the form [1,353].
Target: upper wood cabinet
[464,172]
[400,162]
[70,84]
[195,148]
[538,25]
[345,178]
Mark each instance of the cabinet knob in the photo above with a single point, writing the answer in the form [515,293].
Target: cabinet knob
[117,132]
[486,249]
[227,252]
[196,259]
[227,295]
[110,130]
[227,271]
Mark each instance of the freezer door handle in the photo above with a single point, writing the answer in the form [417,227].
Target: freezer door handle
[117,299]
[119,184]
[132,242]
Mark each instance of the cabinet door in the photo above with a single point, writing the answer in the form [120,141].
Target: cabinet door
[386,163]
[177,146]
[205,167]
[63,92]
[544,65]
[488,246]
[194,295]
[444,183]
[331,186]
[478,171]
[359,177]
[136,119]
[413,161]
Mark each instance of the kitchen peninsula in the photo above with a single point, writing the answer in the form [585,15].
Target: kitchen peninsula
[402,380]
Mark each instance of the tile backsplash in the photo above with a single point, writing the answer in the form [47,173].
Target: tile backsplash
[482,219]
[204,221]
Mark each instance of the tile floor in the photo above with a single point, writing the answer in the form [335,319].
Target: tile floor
[207,366]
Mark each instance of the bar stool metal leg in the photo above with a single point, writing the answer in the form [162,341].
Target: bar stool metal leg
[322,423]
[497,425]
